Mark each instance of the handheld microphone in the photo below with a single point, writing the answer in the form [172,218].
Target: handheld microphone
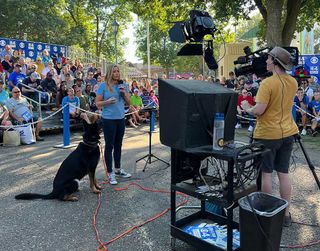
[121,86]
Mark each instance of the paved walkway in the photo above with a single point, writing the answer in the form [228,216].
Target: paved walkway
[55,225]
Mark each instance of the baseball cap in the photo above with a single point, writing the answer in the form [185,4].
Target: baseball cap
[136,90]
[35,75]
[49,74]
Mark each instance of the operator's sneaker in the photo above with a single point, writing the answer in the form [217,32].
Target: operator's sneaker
[304,132]
[112,179]
[250,128]
[121,173]
[287,221]
[238,126]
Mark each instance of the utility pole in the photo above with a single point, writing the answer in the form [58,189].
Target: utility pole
[148,49]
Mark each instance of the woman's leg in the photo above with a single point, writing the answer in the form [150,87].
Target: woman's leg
[109,130]
[118,143]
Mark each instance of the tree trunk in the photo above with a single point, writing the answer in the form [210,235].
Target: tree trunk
[273,22]
[293,9]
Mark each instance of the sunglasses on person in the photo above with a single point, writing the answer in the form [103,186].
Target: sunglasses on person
[16,92]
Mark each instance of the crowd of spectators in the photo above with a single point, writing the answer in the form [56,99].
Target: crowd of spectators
[307,98]
[56,80]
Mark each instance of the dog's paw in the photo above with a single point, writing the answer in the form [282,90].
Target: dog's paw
[71,198]
[95,190]
[98,187]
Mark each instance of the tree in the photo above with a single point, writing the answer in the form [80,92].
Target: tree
[281,18]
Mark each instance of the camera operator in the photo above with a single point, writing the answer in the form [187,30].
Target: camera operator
[275,126]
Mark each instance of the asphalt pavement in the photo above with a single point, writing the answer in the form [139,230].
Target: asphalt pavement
[55,225]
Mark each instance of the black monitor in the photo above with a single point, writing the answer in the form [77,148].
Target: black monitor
[187,109]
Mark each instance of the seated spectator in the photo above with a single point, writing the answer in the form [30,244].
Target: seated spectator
[15,57]
[223,82]
[87,90]
[34,82]
[98,73]
[58,67]
[62,92]
[92,68]
[21,111]
[15,77]
[69,80]
[4,116]
[307,90]
[80,83]
[50,68]
[252,91]
[4,95]
[244,98]
[24,66]
[232,82]
[145,97]
[31,69]
[301,101]
[312,84]
[134,85]
[84,105]
[40,66]
[154,100]
[49,85]
[135,106]
[7,51]
[73,102]
[240,84]
[90,80]
[45,58]
[7,65]
[315,104]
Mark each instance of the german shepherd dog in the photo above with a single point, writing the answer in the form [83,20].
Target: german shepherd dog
[82,161]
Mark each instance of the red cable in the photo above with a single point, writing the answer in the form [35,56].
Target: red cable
[313,243]
[103,245]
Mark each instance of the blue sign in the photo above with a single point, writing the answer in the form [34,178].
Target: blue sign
[32,49]
[311,63]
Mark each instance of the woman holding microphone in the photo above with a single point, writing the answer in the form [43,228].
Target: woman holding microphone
[112,95]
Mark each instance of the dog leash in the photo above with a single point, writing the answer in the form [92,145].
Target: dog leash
[103,245]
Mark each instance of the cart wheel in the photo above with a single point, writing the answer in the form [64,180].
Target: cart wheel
[173,243]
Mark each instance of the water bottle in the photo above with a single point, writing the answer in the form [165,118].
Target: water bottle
[218,131]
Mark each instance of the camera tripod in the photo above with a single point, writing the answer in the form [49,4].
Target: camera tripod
[150,155]
[297,138]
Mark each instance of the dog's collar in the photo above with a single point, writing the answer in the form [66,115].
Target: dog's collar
[91,144]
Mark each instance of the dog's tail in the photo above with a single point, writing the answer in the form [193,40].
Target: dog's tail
[33,196]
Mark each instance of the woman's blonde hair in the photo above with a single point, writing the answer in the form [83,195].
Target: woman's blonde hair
[108,77]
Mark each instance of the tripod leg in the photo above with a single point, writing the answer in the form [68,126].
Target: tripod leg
[167,163]
[311,166]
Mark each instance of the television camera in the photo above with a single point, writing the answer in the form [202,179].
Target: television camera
[255,62]
[193,31]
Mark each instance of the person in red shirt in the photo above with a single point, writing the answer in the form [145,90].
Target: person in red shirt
[244,98]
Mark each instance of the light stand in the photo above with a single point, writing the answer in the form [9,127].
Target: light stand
[150,155]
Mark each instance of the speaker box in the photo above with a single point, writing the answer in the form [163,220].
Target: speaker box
[187,109]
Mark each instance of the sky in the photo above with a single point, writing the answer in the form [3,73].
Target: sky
[130,49]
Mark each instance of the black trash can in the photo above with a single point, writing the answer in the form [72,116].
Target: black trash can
[270,212]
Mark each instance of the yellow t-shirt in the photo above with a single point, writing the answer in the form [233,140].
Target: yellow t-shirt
[277,120]
[40,68]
